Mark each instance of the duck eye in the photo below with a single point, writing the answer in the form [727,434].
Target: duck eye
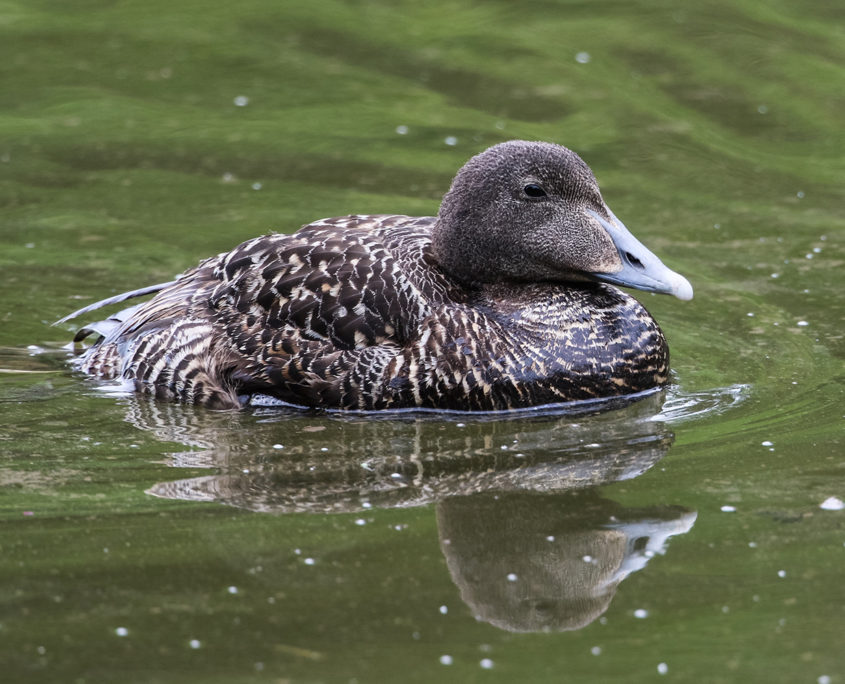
[534,190]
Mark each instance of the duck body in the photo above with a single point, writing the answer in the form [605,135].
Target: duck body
[384,312]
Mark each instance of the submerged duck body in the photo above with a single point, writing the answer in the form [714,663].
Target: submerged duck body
[493,304]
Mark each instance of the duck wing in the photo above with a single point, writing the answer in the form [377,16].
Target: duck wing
[312,318]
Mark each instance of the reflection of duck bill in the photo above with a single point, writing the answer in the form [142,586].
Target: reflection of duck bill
[526,563]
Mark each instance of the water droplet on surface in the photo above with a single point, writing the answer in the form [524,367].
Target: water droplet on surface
[662,668]
[728,509]
[582,57]
[762,109]
[512,577]
[241,101]
[360,521]
[121,631]
[596,650]
[445,660]
[402,130]
[802,324]
[781,573]
[232,590]
[195,643]
[451,140]
[640,613]
[257,186]
[823,679]
[309,561]
[486,663]
[443,610]
[800,194]
[767,443]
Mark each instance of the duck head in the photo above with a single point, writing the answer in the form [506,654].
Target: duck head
[532,211]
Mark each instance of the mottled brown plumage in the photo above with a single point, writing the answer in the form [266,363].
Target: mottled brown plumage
[491,305]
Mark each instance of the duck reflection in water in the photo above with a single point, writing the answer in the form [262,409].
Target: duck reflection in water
[528,539]
[550,562]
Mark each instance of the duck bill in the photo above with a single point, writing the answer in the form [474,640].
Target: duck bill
[641,269]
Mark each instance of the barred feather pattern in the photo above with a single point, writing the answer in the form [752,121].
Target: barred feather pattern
[353,313]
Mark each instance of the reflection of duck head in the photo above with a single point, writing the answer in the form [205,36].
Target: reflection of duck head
[527,562]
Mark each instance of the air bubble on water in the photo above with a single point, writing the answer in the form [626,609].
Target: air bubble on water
[582,57]
[767,443]
[486,663]
[121,631]
[402,130]
[195,643]
[728,509]
[662,668]
[762,109]
[800,194]
[309,561]
[781,573]
[257,186]
[640,613]
[596,650]
[451,140]
[443,610]
[512,577]
[232,590]
[802,324]
[445,660]
[241,101]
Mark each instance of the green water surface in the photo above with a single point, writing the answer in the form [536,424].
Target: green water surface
[680,538]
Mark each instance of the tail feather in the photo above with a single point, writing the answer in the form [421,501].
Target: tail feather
[122,297]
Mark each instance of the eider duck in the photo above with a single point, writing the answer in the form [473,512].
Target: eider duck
[504,300]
